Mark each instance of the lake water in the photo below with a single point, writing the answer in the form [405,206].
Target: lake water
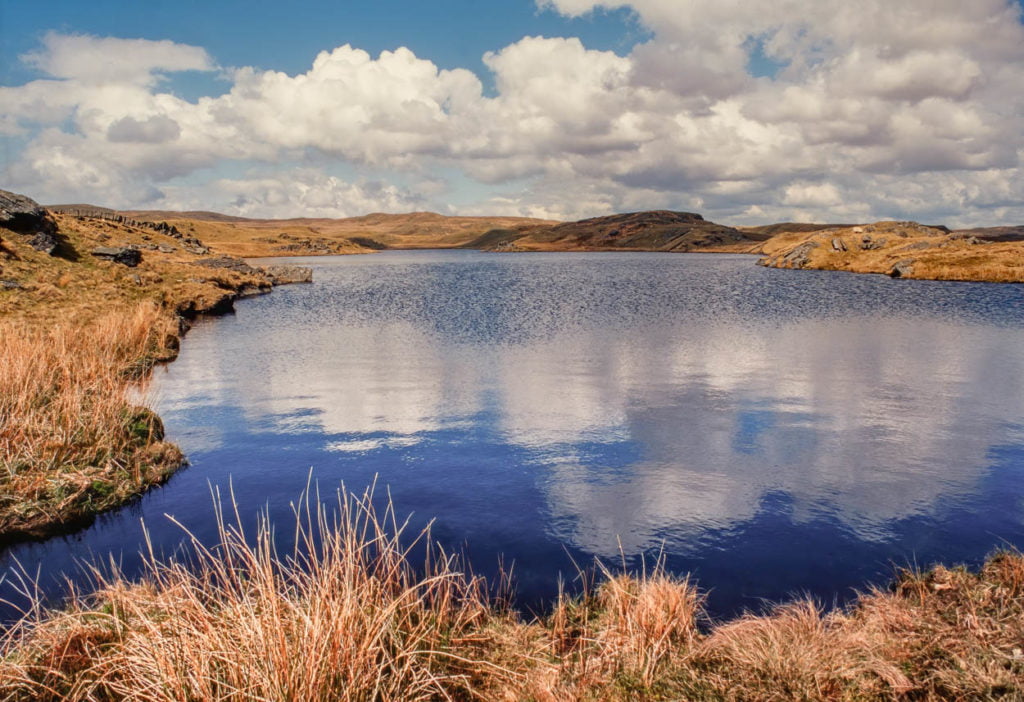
[772,432]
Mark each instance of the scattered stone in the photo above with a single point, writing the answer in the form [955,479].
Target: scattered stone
[867,243]
[137,279]
[25,216]
[838,244]
[163,248]
[124,255]
[902,269]
[11,285]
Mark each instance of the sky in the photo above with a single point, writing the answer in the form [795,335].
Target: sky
[745,111]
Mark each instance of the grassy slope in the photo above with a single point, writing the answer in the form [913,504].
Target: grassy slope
[300,237]
[877,248]
[657,230]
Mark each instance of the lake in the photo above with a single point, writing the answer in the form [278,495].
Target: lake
[771,432]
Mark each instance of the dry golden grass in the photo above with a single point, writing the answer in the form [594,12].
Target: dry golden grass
[307,237]
[71,443]
[345,616]
[932,255]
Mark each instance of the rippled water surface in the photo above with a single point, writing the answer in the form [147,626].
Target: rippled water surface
[772,432]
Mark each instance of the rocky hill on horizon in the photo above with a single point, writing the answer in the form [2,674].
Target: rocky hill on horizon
[653,230]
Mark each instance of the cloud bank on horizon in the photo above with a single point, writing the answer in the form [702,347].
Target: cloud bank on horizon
[870,110]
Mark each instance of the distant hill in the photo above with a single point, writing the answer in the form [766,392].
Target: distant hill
[995,233]
[310,236]
[657,230]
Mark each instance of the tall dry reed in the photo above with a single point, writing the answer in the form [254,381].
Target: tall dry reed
[70,440]
[343,615]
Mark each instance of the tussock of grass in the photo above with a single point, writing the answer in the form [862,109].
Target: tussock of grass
[346,616]
[71,443]
[343,616]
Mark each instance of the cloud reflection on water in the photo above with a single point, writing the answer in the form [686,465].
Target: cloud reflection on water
[865,419]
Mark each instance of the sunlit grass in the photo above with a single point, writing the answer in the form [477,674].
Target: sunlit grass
[346,615]
[71,442]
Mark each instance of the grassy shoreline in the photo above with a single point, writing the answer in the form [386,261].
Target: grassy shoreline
[346,616]
[72,445]
[77,334]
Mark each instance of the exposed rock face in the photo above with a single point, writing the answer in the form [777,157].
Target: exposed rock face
[279,275]
[902,269]
[124,255]
[24,215]
[283,275]
[228,263]
[801,255]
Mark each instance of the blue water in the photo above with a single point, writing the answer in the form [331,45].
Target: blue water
[771,432]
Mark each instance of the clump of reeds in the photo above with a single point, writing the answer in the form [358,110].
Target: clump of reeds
[940,635]
[344,615]
[71,442]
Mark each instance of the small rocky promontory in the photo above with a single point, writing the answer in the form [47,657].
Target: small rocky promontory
[899,250]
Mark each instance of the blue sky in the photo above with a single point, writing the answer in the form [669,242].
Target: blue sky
[286,37]
[562,108]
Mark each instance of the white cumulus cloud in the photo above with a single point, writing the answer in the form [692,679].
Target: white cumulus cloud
[743,110]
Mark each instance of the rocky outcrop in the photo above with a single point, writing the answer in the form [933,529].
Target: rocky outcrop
[902,269]
[800,256]
[125,255]
[25,216]
[229,263]
[284,275]
[278,275]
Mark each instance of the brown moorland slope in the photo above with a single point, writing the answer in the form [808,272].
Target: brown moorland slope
[763,232]
[901,250]
[238,236]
